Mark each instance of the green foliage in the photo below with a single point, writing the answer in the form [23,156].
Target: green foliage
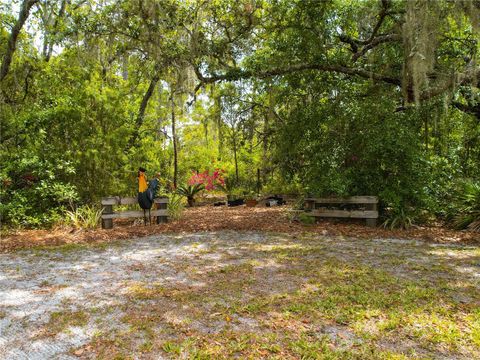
[364,149]
[306,218]
[189,191]
[399,218]
[175,206]
[84,217]
[311,102]
[468,215]
[33,193]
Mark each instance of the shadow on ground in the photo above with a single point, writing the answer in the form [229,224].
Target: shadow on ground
[239,294]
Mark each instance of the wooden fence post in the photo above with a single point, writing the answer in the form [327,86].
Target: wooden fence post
[107,223]
[162,218]
[371,222]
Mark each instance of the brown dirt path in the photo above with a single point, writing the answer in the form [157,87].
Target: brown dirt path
[209,218]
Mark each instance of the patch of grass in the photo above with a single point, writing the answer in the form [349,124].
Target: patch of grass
[62,320]
[171,347]
[306,348]
[141,322]
[147,346]
[191,349]
[237,268]
[114,344]
[366,299]
[141,291]
[473,321]
[297,306]
[44,283]
[433,328]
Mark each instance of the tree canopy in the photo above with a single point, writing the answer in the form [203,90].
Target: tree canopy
[334,97]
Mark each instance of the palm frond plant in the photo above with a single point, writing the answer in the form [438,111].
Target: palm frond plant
[468,216]
[189,191]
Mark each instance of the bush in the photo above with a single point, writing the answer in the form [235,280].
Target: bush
[306,219]
[399,218]
[189,191]
[32,193]
[175,206]
[468,215]
[84,217]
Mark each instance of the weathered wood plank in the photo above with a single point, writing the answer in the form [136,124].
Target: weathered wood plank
[349,200]
[364,214]
[110,200]
[357,214]
[128,201]
[134,214]
[160,200]
[117,200]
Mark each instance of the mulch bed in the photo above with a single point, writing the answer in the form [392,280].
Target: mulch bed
[209,218]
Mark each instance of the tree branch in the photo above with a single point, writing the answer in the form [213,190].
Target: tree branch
[12,40]
[360,47]
[375,42]
[238,74]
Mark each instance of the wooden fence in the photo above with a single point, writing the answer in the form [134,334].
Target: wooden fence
[160,211]
[358,207]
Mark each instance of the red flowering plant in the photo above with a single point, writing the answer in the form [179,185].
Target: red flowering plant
[202,181]
[209,181]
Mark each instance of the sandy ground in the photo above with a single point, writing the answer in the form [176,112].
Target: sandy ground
[36,284]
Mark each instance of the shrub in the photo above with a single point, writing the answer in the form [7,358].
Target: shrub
[84,217]
[468,215]
[209,182]
[175,206]
[189,191]
[399,218]
[32,193]
[306,219]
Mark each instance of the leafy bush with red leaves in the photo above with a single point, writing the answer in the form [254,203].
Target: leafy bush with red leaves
[209,181]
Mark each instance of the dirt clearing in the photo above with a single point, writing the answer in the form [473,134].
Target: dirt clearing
[239,294]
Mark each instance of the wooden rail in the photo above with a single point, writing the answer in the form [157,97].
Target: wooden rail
[356,207]
[160,211]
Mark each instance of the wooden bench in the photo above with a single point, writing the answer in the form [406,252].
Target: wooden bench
[356,207]
[160,211]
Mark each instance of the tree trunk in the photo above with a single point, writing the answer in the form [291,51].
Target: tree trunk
[141,111]
[48,42]
[174,137]
[235,155]
[205,130]
[268,119]
[12,40]
[219,125]
[426,134]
